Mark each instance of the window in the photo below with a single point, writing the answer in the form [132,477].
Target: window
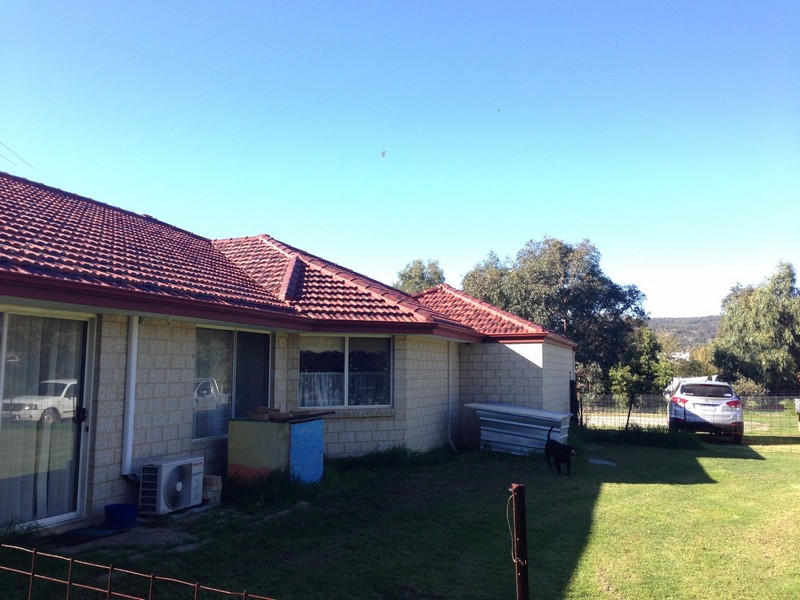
[231,378]
[707,390]
[345,371]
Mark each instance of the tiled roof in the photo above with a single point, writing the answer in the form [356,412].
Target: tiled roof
[482,316]
[58,246]
[64,238]
[320,289]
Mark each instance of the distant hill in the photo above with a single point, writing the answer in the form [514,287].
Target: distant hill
[690,331]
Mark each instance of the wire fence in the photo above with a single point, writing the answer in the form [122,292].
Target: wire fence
[768,420]
[34,575]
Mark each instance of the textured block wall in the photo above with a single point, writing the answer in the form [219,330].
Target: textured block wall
[105,485]
[502,373]
[424,385]
[559,370]
[418,416]
[163,411]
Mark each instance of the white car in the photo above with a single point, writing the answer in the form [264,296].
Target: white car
[706,405]
[48,401]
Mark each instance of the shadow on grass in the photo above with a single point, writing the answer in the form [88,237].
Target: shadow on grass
[400,525]
[560,509]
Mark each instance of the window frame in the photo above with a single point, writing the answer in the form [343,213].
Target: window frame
[233,382]
[346,372]
[84,397]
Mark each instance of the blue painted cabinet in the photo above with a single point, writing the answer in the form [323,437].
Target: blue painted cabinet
[258,447]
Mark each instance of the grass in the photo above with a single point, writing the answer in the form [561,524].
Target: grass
[714,520]
[772,424]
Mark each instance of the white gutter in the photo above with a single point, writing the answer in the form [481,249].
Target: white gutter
[130,397]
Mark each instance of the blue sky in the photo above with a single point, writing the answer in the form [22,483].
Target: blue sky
[667,133]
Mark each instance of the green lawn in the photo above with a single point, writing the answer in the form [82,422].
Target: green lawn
[764,423]
[719,521]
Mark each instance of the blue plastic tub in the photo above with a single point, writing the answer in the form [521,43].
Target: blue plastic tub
[121,516]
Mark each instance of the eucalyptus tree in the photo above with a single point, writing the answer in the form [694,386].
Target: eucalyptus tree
[759,333]
[561,286]
[418,275]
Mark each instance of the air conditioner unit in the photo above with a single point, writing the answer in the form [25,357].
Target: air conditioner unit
[169,485]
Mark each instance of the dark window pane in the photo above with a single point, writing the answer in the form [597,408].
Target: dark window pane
[212,386]
[252,372]
[321,371]
[369,363]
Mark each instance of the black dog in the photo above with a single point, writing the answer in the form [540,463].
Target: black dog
[561,453]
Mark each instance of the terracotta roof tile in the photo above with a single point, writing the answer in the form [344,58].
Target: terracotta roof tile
[51,236]
[48,233]
[480,316]
[321,289]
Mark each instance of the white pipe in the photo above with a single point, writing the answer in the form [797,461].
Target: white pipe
[130,397]
[449,401]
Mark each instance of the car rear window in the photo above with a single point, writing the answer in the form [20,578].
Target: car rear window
[707,390]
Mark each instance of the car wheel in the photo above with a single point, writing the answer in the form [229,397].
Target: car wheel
[673,425]
[738,438]
[50,416]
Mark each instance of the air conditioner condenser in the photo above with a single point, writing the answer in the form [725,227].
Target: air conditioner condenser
[170,485]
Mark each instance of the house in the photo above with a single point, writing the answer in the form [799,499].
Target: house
[162,336]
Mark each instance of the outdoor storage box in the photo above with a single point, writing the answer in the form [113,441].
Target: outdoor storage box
[258,447]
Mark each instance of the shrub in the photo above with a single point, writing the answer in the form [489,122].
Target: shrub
[638,435]
[748,387]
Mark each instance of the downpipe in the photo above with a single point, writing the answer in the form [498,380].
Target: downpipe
[130,400]
[450,401]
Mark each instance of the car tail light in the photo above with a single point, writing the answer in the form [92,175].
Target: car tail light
[679,401]
[734,403]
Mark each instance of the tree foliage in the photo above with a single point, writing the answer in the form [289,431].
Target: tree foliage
[642,370]
[418,276]
[748,387]
[648,361]
[561,286]
[759,334]
[676,362]
[701,361]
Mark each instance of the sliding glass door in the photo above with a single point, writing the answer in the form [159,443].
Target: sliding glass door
[41,377]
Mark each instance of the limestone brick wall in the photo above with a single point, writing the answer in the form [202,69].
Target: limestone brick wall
[423,386]
[105,485]
[349,431]
[286,374]
[418,416]
[165,383]
[163,411]
[559,369]
[165,374]
[509,373]
[358,431]
[502,373]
